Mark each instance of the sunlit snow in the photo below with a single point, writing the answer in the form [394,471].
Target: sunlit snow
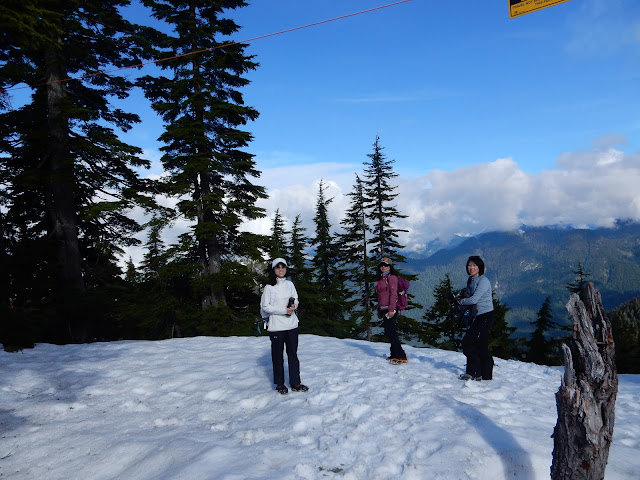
[205,408]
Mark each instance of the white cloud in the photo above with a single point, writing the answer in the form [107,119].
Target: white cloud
[586,188]
[589,189]
[293,190]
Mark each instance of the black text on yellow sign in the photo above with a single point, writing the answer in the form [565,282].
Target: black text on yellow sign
[520,7]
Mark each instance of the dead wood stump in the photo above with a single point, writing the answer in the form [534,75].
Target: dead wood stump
[586,399]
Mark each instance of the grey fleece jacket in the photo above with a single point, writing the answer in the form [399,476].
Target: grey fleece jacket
[480,290]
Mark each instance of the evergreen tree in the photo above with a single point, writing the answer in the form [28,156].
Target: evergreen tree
[297,256]
[203,108]
[131,274]
[440,326]
[310,301]
[279,246]
[625,322]
[379,195]
[330,278]
[541,350]
[67,179]
[359,268]
[500,342]
[577,286]
[382,216]
[162,302]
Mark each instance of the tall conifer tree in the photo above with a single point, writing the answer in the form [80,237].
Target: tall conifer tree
[279,246]
[383,214]
[354,256]
[298,256]
[310,310]
[330,278]
[203,110]
[69,179]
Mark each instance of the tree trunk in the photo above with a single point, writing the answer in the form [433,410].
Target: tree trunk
[62,208]
[586,399]
[60,197]
[209,251]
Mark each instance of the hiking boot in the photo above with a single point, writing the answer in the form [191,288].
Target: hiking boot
[281,389]
[299,388]
[466,376]
[398,361]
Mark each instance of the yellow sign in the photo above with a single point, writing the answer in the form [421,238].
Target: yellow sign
[520,7]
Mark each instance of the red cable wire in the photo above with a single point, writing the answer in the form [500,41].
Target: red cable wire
[104,72]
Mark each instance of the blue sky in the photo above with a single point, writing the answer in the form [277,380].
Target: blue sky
[444,84]
[492,122]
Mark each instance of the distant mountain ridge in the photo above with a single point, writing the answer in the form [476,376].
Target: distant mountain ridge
[527,265]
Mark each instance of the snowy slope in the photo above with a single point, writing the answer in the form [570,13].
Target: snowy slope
[204,408]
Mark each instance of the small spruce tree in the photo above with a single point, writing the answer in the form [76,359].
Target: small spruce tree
[541,350]
[440,326]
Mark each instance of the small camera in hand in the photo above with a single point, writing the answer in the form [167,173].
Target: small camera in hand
[292,302]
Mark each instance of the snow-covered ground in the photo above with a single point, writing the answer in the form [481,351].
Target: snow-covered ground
[204,408]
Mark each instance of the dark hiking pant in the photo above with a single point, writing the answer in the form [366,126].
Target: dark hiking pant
[279,340]
[475,346]
[390,331]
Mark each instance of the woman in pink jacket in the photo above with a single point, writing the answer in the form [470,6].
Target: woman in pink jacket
[387,289]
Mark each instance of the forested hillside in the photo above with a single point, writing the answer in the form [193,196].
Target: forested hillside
[625,321]
[528,265]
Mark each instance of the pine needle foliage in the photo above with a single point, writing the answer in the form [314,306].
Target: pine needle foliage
[204,148]
[68,181]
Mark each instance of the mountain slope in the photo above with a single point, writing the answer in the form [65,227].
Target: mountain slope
[528,265]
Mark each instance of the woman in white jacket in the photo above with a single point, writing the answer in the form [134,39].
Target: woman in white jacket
[279,302]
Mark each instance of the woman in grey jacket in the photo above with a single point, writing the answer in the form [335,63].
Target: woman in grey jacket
[279,302]
[475,343]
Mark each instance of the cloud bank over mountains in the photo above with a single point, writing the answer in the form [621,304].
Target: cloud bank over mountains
[591,188]
[584,189]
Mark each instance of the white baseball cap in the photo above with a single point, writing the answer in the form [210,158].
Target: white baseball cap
[277,261]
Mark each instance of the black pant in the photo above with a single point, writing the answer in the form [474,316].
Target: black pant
[391,333]
[475,346]
[278,342]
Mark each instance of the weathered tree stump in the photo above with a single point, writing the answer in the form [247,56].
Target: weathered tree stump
[586,399]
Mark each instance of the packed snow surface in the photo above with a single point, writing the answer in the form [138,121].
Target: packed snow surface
[205,408]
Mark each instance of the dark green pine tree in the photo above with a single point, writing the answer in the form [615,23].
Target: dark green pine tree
[541,350]
[131,274]
[440,326]
[310,310]
[298,253]
[153,305]
[68,179]
[155,250]
[382,215]
[329,276]
[500,342]
[625,322]
[354,256]
[381,212]
[577,286]
[279,247]
[203,109]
